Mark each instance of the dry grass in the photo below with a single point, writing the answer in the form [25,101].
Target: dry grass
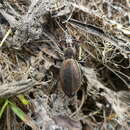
[35,50]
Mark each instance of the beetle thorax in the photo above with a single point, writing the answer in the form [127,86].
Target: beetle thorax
[69,53]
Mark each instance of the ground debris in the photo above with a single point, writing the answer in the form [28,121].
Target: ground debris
[34,36]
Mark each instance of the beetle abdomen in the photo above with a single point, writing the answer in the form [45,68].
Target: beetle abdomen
[70,77]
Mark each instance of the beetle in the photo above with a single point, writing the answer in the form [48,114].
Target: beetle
[70,73]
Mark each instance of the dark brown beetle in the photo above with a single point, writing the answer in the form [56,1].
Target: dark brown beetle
[70,74]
